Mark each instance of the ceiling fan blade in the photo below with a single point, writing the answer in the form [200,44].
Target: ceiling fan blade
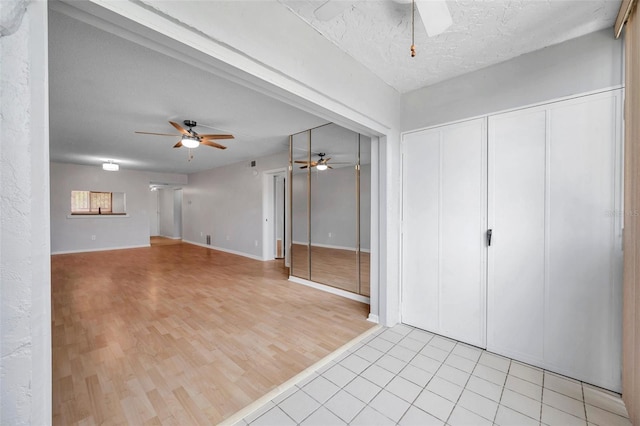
[327,159]
[179,128]
[178,145]
[158,134]
[301,162]
[216,136]
[435,16]
[329,167]
[213,144]
[303,167]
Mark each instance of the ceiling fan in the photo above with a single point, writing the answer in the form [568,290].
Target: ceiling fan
[190,138]
[321,164]
[434,14]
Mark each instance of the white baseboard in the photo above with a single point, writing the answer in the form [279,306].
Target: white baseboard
[239,253]
[329,289]
[99,249]
[166,236]
[373,318]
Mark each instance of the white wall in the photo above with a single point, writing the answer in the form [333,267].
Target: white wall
[226,203]
[25,273]
[75,234]
[576,66]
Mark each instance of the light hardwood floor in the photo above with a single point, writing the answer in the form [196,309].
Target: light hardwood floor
[180,334]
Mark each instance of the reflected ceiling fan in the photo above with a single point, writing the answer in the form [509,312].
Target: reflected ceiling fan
[434,14]
[190,138]
[321,164]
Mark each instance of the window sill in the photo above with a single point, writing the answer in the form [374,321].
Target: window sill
[97,216]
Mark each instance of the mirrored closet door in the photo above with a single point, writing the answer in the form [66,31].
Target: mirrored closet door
[331,207]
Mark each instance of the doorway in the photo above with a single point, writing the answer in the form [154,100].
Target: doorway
[274,210]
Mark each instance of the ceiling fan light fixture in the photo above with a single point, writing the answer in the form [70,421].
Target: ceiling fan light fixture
[321,166]
[110,166]
[190,141]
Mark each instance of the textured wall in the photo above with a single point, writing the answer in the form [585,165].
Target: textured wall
[25,315]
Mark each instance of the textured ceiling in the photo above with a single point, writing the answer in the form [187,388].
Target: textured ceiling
[378,34]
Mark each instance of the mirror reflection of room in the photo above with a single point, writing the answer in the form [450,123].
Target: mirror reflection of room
[331,208]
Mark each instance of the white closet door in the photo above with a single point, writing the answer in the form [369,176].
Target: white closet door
[516,257]
[444,223]
[555,259]
[583,303]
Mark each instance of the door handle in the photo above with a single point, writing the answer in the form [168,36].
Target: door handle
[489,233]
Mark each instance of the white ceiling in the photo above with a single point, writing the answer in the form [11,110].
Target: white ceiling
[378,33]
[103,88]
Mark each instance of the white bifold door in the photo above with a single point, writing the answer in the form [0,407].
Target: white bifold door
[546,288]
[444,221]
[555,262]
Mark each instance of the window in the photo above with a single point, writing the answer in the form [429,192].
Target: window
[91,202]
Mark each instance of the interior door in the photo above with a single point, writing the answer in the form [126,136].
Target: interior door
[444,216]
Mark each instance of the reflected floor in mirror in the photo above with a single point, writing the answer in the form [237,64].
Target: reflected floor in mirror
[335,267]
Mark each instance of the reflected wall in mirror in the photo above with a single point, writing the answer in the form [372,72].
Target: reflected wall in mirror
[299,151]
[365,215]
[333,208]
[330,198]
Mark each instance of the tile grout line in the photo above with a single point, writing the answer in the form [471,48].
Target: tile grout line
[366,404]
[504,386]
[464,387]
[426,384]
[584,402]
[542,397]
[398,373]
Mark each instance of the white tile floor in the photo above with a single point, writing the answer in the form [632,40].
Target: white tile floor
[407,376]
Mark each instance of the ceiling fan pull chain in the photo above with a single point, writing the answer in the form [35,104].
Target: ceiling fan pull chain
[413,29]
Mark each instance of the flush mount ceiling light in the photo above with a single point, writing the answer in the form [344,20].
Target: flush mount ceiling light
[110,166]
